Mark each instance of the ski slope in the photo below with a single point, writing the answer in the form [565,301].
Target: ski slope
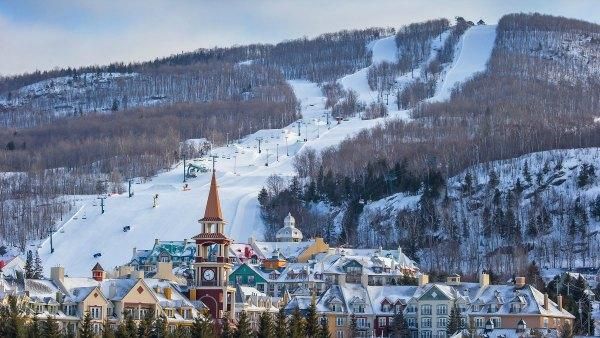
[473,52]
[241,173]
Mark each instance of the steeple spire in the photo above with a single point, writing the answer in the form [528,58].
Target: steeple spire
[213,204]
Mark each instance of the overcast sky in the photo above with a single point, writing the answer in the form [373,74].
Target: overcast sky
[54,33]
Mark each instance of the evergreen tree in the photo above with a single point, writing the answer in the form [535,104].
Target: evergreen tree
[226,331]
[454,321]
[296,325]
[243,329]
[526,173]
[265,326]
[11,318]
[159,328]
[29,269]
[312,320]
[281,325]
[202,328]
[107,331]
[583,178]
[33,329]
[399,326]
[353,326]
[145,326]
[263,197]
[595,208]
[85,329]
[38,269]
[324,331]
[493,181]
[115,105]
[50,329]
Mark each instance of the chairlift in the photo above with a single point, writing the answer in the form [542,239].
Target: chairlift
[126,228]
[361,201]
[97,254]
[62,231]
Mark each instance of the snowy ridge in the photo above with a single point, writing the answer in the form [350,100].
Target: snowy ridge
[241,173]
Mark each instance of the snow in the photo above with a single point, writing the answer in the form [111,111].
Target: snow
[241,173]
[473,52]
[384,50]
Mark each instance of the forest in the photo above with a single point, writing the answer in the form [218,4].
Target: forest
[540,92]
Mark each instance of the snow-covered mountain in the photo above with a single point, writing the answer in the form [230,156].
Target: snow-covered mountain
[241,173]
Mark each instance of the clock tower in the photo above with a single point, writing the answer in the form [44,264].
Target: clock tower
[212,266]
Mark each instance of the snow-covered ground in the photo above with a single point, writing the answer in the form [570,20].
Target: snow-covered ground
[241,173]
[471,56]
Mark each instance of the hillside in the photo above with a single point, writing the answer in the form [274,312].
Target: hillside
[175,217]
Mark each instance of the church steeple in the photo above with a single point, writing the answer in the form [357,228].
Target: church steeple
[213,213]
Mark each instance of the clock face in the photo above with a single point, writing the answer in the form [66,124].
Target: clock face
[208,274]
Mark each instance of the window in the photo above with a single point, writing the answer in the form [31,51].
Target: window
[442,322]
[463,322]
[96,327]
[398,308]
[546,322]
[250,279]
[382,321]
[386,307]
[426,322]
[238,279]
[496,321]
[339,334]
[340,321]
[412,308]
[412,322]
[96,312]
[425,309]
[442,309]
[260,287]
[515,307]
[361,322]
[479,322]
[425,334]
[441,334]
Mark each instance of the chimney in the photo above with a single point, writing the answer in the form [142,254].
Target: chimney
[168,292]
[364,280]
[112,290]
[184,242]
[519,282]
[134,251]
[559,302]
[546,304]
[423,279]
[156,241]
[164,270]
[484,279]
[57,274]
[59,297]
[192,294]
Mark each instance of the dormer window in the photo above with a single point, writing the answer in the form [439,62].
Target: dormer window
[386,307]
[516,307]
[494,308]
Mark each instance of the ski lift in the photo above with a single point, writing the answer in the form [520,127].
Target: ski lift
[62,231]
[361,201]
[84,217]
[126,228]
[97,254]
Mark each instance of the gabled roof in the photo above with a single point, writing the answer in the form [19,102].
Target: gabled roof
[97,267]
[213,203]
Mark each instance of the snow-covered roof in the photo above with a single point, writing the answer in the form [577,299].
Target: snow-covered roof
[289,250]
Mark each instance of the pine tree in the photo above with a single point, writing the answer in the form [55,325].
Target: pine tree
[202,328]
[595,208]
[281,325]
[107,331]
[399,326]
[29,269]
[324,331]
[265,326]
[243,329]
[226,331]
[263,197]
[33,329]
[526,173]
[11,318]
[159,328]
[85,330]
[312,320]
[38,269]
[50,329]
[296,325]
[353,326]
[493,181]
[145,326]
[454,324]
